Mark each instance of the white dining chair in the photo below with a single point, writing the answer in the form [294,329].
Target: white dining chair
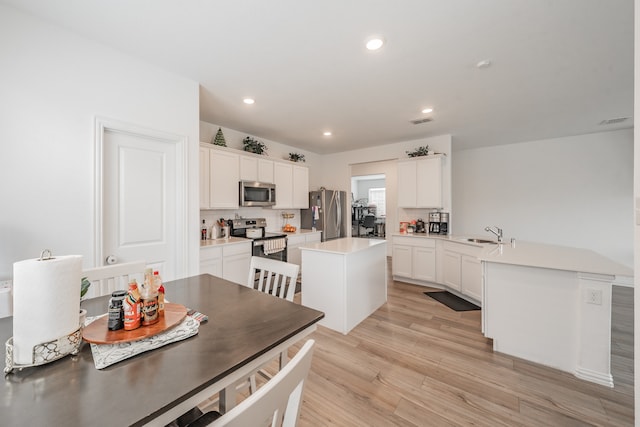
[106,279]
[277,403]
[273,277]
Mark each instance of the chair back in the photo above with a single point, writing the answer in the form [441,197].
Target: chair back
[104,280]
[369,221]
[278,402]
[273,277]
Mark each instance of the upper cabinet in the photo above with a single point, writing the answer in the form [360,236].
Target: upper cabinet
[420,182]
[292,186]
[256,169]
[221,169]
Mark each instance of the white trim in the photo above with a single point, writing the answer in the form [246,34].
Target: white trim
[101,125]
[595,377]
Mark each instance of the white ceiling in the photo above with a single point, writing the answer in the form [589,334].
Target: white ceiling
[559,67]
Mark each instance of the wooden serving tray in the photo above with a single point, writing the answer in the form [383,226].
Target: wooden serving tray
[98,333]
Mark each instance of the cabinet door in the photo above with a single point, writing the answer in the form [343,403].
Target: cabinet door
[424,264]
[407,184]
[283,178]
[265,171]
[451,265]
[224,171]
[300,187]
[429,183]
[401,260]
[235,268]
[248,168]
[204,178]
[471,277]
[211,266]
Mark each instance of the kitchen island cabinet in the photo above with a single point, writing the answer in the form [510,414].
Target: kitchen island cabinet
[345,278]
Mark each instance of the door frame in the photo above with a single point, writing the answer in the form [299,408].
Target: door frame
[101,126]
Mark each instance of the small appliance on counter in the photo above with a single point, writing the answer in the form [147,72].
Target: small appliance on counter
[444,222]
[420,227]
[434,222]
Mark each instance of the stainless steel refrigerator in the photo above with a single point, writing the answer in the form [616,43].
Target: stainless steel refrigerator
[327,213]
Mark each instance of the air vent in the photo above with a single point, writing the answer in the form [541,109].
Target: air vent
[419,121]
[614,121]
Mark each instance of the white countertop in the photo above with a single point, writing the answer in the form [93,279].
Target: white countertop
[343,246]
[221,242]
[541,255]
[554,257]
[301,231]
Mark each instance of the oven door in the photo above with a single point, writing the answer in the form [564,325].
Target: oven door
[258,250]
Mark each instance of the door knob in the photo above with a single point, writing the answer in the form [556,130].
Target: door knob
[111,259]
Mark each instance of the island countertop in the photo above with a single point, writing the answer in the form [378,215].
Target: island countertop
[345,245]
[542,255]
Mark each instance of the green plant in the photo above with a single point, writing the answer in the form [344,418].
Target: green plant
[253,146]
[418,152]
[84,286]
[295,157]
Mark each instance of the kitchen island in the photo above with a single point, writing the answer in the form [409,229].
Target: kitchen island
[551,305]
[345,278]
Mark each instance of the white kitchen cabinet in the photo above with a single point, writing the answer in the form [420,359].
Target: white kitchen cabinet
[471,277]
[211,261]
[204,178]
[451,274]
[224,173]
[463,269]
[236,260]
[295,241]
[420,182]
[229,261]
[292,186]
[256,169]
[424,263]
[414,258]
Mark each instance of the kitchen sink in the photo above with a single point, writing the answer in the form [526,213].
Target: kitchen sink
[480,241]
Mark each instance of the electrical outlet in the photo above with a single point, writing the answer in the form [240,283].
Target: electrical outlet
[593,296]
[5,284]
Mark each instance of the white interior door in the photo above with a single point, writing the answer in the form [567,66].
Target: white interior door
[142,200]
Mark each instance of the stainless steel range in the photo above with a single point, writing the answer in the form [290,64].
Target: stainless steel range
[266,245]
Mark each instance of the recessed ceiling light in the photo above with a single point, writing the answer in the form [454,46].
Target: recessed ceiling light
[249,101]
[485,63]
[375,43]
[327,133]
[427,110]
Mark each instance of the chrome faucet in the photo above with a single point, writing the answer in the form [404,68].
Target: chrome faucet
[497,232]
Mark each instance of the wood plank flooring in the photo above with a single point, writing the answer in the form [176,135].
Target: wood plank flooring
[415,362]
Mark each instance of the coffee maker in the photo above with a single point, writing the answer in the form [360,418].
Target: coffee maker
[434,222]
[444,222]
[420,226]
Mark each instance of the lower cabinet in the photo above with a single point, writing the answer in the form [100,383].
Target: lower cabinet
[229,261]
[294,241]
[414,258]
[455,265]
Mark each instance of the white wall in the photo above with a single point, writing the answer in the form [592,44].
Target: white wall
[53,84]
[340,167]
[575,191]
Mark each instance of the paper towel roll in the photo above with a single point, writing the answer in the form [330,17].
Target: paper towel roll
[46,302]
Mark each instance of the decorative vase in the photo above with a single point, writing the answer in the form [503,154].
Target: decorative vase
[83,317]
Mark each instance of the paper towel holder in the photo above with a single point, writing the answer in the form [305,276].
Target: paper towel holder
[45,352]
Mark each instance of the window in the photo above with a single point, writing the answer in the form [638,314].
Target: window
[377,197]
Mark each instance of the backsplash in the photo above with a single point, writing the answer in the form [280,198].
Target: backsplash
[273,216]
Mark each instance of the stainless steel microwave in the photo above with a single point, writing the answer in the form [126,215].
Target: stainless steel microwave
[254,193]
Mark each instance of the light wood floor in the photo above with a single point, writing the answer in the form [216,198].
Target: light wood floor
[415,362]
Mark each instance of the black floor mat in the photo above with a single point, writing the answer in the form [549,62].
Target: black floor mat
[452,301]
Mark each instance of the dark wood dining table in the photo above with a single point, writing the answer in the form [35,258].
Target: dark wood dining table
[246,328]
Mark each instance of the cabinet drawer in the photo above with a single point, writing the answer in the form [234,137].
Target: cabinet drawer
[210,253]
[423,242]
[237,249]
